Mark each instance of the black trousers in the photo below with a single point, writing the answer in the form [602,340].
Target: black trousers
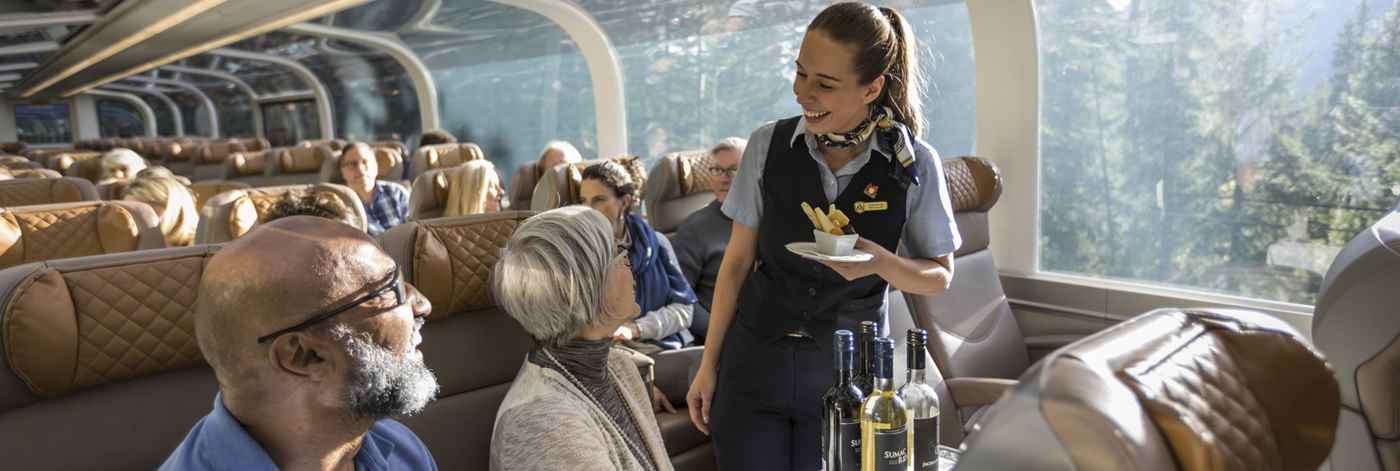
[767,407]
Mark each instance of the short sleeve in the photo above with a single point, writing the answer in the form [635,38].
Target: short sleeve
[745,201]
[930,230]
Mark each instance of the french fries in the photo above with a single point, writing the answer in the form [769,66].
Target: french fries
[832,221]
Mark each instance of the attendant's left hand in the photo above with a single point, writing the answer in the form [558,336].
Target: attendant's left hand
[856,270]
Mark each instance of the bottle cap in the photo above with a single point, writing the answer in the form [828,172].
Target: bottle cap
[884,354]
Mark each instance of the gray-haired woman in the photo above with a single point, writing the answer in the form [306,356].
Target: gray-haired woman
[577,403]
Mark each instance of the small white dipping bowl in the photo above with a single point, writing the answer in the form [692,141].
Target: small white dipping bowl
[835,245]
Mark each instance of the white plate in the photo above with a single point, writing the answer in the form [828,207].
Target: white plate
[808,250]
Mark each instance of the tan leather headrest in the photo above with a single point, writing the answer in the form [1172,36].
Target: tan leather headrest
[453,259]
[32,191]
[336,145]
[232,214]
[35,173]
[303,159]
[205,190]
[216,152]
[974,183]
[246,164]
[450,155]
[70,329]
[47,232]
[62,161]
[693,173]
[387,158]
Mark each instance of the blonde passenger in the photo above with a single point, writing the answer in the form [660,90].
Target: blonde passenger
[475,188]
[173,203]
[120,165]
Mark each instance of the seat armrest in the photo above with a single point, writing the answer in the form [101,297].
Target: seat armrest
[674,371]
[977,392]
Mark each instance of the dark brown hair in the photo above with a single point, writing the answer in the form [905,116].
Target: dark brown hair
[623,175]
[436,136]
[884,45]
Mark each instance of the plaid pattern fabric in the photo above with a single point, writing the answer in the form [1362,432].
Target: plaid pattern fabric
[389,208]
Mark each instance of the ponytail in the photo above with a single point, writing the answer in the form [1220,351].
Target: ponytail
[884,46]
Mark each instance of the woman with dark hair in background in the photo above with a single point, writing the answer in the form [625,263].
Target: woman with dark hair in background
[767,358]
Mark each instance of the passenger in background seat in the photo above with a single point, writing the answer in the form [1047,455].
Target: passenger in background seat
[662,291]
[475,189]
[701,239]
[303,203]
[555,153]
[312,334]
[436,136]
[577,403]
[173,203]
[386,204]
[120,165]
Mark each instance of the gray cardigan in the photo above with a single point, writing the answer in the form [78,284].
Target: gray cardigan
[547,423]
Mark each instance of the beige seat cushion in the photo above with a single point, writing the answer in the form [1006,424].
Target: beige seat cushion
[47,232]
[438,156]
[217,152]
[35,173]
[203,191]
[233,213]
[31,191]
[680,184]
[294,160]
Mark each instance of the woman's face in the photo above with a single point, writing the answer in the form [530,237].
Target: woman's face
[598,196]
[828,88]
[619,292]
[494,194]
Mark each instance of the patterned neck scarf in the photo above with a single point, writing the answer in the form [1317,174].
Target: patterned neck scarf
[892,135]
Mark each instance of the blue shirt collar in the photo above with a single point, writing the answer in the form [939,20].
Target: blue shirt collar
[812,140]
[225,441]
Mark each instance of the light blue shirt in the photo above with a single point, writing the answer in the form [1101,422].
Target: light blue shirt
[929,229]
[219,442]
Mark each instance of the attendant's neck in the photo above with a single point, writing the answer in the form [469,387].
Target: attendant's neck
[839,157]
[298,435]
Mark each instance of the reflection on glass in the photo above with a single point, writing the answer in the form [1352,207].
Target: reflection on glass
[165,122]
[117,118]
[1230,146]
[235,109]
[290,122]
[43,124]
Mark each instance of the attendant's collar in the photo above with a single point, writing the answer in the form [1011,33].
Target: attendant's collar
[801,131]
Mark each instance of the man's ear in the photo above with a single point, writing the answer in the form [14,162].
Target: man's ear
[303,356]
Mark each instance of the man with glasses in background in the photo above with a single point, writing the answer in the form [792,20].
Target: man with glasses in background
[313,336]
[700,240]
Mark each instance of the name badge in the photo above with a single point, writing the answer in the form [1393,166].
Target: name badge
[865,206]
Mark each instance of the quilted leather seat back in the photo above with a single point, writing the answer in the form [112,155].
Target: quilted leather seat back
[233,213]
[680,184]
[47,232]
[1195,391]
[31,191]
[472,345]
[100,351]
[560,186]
[436,156]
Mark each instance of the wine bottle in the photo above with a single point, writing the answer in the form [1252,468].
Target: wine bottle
[841,411]
[884,421]
[922,401]
[865,379]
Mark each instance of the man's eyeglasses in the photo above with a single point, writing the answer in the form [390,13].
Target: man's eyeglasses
[395,284]
[726,171]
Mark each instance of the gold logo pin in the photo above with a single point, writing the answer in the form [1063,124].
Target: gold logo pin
[871,190]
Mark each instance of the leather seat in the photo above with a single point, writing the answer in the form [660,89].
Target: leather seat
[233,213]
[209,161]
[522,184]
[12,147]
[429,196]
[436,156]
[247,167]
[206,190]
[101,368]
[336,145]
[35,173]
[560,186]
[31,191]
[255,144]
[389,158]
[61,161]
[1167,390]
[15,162]
[53,231]
[679,184]
[296,165]
[88,169]
[1355,324]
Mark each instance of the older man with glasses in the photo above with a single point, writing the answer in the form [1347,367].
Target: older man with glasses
[700,240]
[313,335]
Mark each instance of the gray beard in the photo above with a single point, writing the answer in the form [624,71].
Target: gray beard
[382,384]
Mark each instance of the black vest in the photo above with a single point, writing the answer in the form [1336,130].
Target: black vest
[787,293]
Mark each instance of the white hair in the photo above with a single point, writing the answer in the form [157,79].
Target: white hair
[736,144]
[551,274]
[120,157]
[570,152]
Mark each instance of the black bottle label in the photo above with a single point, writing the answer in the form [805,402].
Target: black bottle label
[892,450]
[926,444]
[850,447]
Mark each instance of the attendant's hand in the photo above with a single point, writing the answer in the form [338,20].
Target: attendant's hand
[627,332]
[702,393]
[659,401]
[855,270]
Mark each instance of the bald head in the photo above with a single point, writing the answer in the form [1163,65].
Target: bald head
[274,277]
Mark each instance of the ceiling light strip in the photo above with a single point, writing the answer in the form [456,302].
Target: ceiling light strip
[179,16]
[304,15]
[18,66]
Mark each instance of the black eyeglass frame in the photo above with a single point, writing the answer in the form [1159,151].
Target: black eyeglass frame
[395,284]
[728,171]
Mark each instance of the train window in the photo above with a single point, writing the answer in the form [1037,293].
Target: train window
[508,79]
[165,121]
[235,108]
[698,71]
[192,112]
[289,122]
[118,118]
[43,124]
[1226,146]
[266,78]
